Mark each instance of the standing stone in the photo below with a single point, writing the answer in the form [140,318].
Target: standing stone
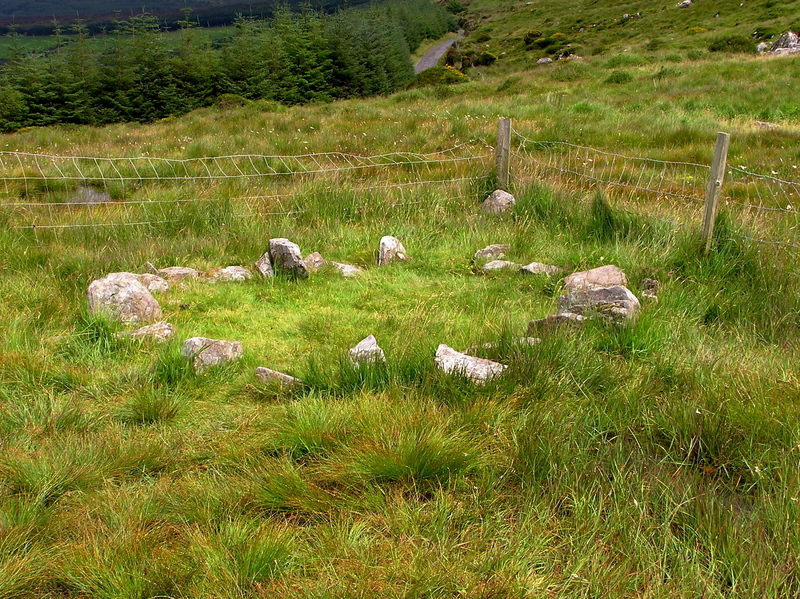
[264,266]
[177,273]
[367,352]
[232,274]
[498,202]
[265,375]
[616,304]
[491,252]
[314,262]
[159,331]
[286,257]
[205,353]
[536,268]
[390,249]
[604,276]
[121,295]
[478,370]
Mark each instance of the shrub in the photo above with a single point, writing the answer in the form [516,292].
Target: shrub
[531,37]
[733,44]
[484,59]
[439,76]
[455,7]
[696,30]
[619,77]
[481,37]
[543,42]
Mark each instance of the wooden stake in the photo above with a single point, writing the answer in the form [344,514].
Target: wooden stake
[714,189]
[503,153]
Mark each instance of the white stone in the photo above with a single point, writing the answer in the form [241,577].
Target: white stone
[491,252]
[205,353]
[498,202]
[478,370]
[390,249]
[122,296]
[603,276]
[536,268]
[159,331]
[495,265]
[266,375]
[367,352]
[233,274]
[347,270]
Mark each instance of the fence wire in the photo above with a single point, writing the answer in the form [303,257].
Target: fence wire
[765,208]
[54,193]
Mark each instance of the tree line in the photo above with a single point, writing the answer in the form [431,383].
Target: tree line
[136,73]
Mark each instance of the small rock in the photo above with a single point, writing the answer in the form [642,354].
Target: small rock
[604,276]
[535,268]
[367,352]
[159,331]
[314,262]
[762,47]
[177,273]
[765,125]
[616,304]
[478,370]
[121,295]
[495,265]
[286,258]
[545,60]
[498,202]
[233,274]
[348,270]
[685,4]
[491,252]
[390,250]
[264,265]
[206,353]
[265,375]
[554,321]
[89,195]
[153,282]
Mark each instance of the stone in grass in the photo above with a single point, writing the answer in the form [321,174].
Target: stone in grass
[122,296]
[498,202]
[205,353]
[314,262]
[286,258]
[153,282]
[232,274]
[159,331]
[89,195]
[616,304]
[264,265]
[390,250]
[347,270]
[536,268]
[516,342]
[491,252]
[603,276]
[554,321]
[650,289]
[367,352]
[271,377]
[496,265]
[478,370]
[177,273]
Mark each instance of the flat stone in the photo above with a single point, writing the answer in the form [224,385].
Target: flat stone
[233,274]
[122,296]
[153,282]
[348,270]
[205,353]
[500,265]
[478,370]
[314,262]
[367,352]
[177,273]
[545,60]
[554,321]
[492,252]
[536,268]
[159,331]
[616,304]
[266,375]
[264,266]
[286,258]
[390,250]
[603,276]
[498,202]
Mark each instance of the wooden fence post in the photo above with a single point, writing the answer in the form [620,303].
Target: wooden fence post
[714,189]
[503,153]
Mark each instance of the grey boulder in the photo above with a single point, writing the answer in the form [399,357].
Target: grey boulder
[367,351]
[616,304]
[390,250]
[603,276]
[478,370]
[264,265]
[286,258]
[498,202]
[122,296]
[491,252]
[314,262]
[205,353]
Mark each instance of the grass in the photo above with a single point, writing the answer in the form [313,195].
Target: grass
[658,459]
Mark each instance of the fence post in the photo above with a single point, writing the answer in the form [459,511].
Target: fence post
[714,189]
[503,153]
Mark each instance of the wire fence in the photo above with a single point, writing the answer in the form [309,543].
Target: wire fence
[45,193]
[765,208]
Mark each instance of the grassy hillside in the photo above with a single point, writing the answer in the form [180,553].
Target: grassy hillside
[656,460]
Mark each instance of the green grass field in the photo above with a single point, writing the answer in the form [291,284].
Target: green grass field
[659,459]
